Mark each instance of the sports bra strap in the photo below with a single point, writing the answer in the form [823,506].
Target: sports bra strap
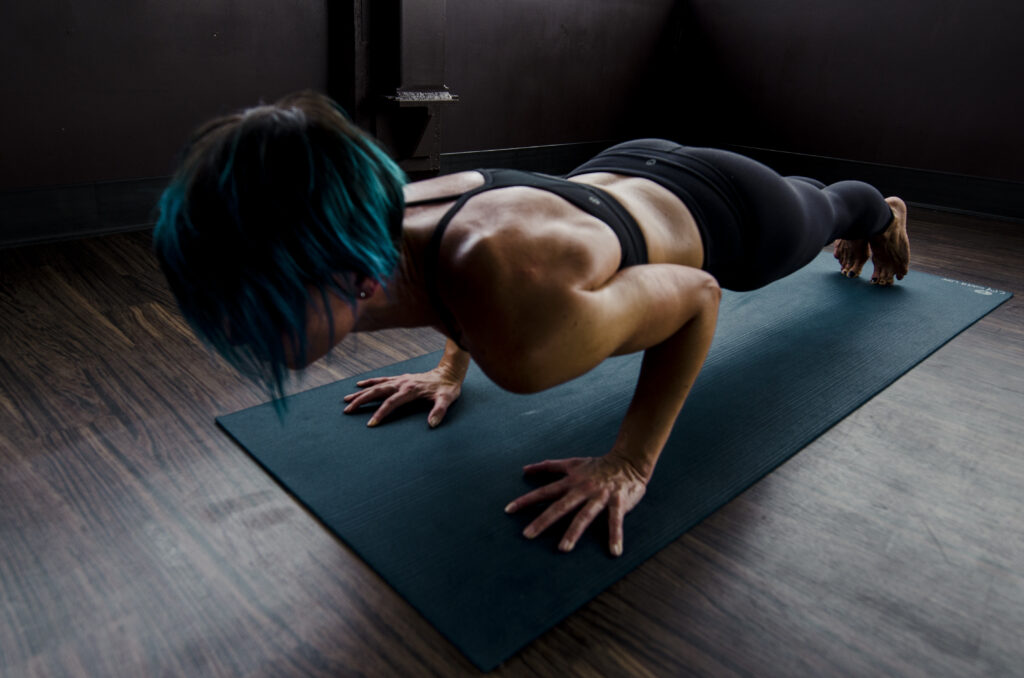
[433,252]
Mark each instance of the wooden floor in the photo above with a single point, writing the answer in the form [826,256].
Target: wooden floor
[137,540]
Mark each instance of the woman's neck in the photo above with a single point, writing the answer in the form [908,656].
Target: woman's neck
[404,302]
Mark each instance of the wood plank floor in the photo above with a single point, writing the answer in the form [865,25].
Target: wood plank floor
[137,540]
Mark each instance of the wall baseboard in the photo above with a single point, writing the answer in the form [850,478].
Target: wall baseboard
[977,196]
[69,212]
[554,159]
[38,216]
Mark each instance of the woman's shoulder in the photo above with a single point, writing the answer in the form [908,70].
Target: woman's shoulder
[510,265]
[444,186]
[520,236]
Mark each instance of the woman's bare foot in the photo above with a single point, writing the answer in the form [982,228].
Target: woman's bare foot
[890,249]
[852,255]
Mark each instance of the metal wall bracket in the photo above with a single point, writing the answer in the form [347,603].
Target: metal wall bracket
[423,97]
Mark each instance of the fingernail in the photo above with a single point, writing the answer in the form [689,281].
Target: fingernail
[433,422]
[511,507]
[372,422]
[617,548]
[528,533]
[566,545]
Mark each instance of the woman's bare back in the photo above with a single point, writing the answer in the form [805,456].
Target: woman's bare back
[667,225]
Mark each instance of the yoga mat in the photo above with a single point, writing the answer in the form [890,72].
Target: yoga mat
[424,508]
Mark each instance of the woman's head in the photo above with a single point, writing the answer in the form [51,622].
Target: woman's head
[268,207]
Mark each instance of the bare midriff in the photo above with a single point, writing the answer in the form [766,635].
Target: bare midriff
[668,226]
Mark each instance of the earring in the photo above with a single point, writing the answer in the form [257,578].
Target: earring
[362,295]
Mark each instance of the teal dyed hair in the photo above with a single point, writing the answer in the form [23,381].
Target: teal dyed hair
[268,208]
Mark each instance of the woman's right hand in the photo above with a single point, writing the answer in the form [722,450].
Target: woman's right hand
[439,385]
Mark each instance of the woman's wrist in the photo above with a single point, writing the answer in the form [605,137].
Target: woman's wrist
[640,463]
[454,363]
[450,373]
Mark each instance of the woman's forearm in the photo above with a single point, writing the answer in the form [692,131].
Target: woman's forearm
[455,362]
[668,372]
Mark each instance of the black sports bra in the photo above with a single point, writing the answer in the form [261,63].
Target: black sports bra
[590,199]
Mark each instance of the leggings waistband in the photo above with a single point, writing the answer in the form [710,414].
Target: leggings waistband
[703,188]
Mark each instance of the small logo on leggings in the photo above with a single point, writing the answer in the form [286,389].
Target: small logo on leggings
[652,161]
[594,200]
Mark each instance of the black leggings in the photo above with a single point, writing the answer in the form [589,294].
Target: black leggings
[756,225]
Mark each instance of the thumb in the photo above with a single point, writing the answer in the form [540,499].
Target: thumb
[437,413]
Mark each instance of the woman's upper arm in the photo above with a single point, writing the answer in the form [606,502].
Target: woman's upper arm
[648,304]
[573,330]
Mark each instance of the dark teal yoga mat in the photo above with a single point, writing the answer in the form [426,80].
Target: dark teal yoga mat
[424,507]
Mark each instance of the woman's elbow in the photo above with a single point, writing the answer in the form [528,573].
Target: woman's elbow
[295,358]
[295,365]
[712,290]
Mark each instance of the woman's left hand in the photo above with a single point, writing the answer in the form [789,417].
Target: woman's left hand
[593,483]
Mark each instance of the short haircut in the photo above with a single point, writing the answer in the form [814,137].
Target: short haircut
[269,206]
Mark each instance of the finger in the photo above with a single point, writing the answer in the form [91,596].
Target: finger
[373,381]
[388,406]
[554,513]
[554,465]
[369,396]
[549,491]
[352,396]
[616,516]
[581,522]
[438,412]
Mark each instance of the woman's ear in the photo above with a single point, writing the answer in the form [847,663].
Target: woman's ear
[363,286]
[367,287]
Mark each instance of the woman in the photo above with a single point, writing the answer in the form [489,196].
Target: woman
[286,228]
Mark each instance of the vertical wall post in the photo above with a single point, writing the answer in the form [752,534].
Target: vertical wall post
[408,80]
[387,68]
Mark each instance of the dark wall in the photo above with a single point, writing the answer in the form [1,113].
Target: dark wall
[930,85]
[535,72]
[106,90]
[98,96]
